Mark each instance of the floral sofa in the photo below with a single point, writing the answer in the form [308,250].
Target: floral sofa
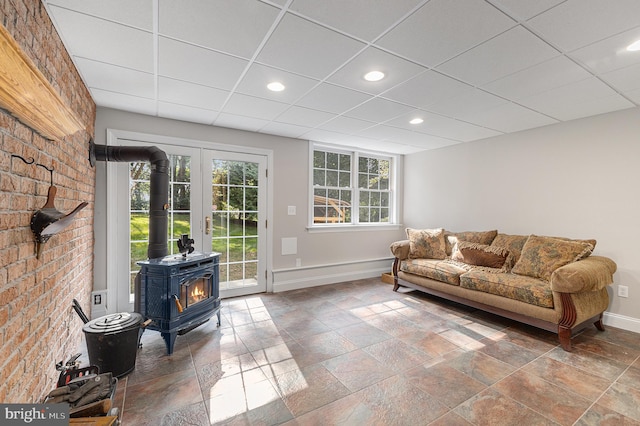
[548,282]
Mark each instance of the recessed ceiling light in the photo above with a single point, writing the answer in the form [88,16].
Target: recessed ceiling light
[634,47]
[374,76]
[416,121]
[275,86]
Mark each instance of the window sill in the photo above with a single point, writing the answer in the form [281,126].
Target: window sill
[353,228]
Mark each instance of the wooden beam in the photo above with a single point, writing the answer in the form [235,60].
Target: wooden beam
[29,96]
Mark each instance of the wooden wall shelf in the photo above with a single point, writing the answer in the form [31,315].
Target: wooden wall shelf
[29,96]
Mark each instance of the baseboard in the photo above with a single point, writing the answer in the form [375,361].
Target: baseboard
[312,276]
[621,321]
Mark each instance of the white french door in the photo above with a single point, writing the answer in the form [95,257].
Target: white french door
[216,197]
[235,219]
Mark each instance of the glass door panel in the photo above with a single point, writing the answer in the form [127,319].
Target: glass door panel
[238,229]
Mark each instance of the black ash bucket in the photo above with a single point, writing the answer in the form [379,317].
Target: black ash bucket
[112,342]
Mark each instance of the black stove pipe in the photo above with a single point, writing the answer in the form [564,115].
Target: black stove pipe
[159,187]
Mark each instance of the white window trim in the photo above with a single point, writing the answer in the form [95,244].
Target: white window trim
[393,185]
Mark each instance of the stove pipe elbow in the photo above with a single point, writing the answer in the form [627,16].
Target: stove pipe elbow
[159,187]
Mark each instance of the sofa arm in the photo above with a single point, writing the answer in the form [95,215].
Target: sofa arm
[590,274]
[400,249]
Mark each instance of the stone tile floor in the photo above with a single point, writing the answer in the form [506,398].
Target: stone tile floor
[357,353]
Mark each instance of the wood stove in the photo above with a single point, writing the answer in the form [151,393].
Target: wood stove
[178,293]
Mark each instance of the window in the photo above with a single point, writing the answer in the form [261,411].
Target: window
[351,188]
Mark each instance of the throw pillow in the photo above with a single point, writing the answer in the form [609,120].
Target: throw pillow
[480,237]
[426,243]
[480,254]
[542,255]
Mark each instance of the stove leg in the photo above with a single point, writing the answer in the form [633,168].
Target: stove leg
[218,314]
[169,340]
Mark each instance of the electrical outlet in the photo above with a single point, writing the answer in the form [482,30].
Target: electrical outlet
[623,291]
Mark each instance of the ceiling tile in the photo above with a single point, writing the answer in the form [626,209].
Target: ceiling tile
[609,54]
[254,83]
[240,122]
[236,27]
[634,95]
[397,135]
[117,79]
[124,102]
[104,41]
[427,88]
[360,18]
[186,113]
[279,3]
[318,135]
[316,54]
[445,127]
[346,125]
[577,100]
[577,23]
[284,129]
[330,98]
[435,32]
[509,52]
[425,142]
[396,71]
[190,94]
[511,117]
[383,146]
[523,10]
[182,61]
[254,107]
[539,78]
[135,13]
[304,116]
[378,109]
[625,79]
[466,104]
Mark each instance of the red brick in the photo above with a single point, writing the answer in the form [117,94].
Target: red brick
[34,293]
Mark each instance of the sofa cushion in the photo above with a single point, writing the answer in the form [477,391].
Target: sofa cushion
[517,287]
[480,254]
[480,237]
[440,270]
[426,243]
[513,243]
[591,242]
[542,255]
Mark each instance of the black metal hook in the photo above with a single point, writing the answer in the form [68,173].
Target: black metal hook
[50,170]
[30,161]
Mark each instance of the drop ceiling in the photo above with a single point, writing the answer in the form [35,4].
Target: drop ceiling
[471,69]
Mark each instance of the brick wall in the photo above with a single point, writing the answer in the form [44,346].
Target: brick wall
[37,324]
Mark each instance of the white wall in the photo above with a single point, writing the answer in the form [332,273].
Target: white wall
[322,253]
[576,179]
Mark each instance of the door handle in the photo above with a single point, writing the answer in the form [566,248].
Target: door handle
[207,225]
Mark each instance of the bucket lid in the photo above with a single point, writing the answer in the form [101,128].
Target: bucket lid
[113,323]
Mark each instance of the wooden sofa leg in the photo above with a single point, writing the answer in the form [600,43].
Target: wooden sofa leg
[396,265]
[564,335]
[599,325]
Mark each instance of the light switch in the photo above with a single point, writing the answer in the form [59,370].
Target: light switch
[291,210]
